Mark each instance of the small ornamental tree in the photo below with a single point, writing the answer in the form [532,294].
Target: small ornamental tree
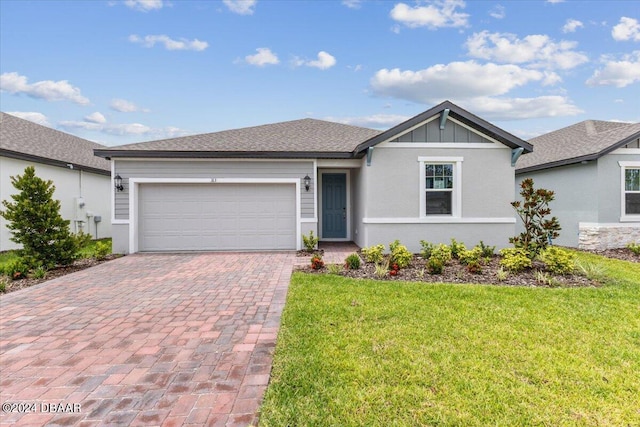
[35,222]
[532,211]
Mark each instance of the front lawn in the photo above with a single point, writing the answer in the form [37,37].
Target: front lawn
[369,353]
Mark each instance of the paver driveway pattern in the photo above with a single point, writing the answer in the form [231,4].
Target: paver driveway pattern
[147,339]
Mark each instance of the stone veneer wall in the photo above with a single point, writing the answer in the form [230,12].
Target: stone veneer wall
[607,236]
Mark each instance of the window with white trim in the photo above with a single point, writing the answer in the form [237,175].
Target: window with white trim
[631,191]
[440,184]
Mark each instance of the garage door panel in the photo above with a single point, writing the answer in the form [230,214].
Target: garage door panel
[217,217]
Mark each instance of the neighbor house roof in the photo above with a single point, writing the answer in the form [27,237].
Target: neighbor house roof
[306,138]
[584,141]
[296,138]
[25,140]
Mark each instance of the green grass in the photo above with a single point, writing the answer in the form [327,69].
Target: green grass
[367,353]
[9,256]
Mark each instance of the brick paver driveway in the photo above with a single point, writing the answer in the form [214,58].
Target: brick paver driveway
[167,339]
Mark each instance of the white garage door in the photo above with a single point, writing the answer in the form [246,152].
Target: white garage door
[188,217]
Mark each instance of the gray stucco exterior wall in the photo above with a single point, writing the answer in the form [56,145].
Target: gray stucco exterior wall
[576,197]
[390,193]
[213,169]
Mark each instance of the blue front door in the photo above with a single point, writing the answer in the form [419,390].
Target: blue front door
[334,205]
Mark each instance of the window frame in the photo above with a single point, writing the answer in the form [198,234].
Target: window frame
[456,191]
[624,216]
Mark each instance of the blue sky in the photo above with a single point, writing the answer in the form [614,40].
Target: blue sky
[117,72]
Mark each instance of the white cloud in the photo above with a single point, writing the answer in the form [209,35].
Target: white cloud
[627,29]
[262,58]
[95,118]
[454,80]
[124,106]
[536,50]
[375,121]
[169,43]
[617,73]
[46,89]
[145,5]
[572,25]
[498,12]
[32,116]
[436,14]
[123,129]
[352,4]
[241,7]
[324,61]
[521,108]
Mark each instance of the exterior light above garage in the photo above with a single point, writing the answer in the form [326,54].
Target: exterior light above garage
[307,182]
[117,180]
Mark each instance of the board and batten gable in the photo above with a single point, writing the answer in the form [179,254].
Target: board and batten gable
[393,189]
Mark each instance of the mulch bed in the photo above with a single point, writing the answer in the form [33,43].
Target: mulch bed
[455,272]
[81,264]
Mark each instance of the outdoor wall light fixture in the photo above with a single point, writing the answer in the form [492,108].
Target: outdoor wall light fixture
[307,182]
[118,183]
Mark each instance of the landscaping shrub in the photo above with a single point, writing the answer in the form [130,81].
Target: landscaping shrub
[515,259]
[435,265]
[310,242]
[474,267]
[101,250]
[34,219]
[532,211]
[487,251]
[373,253]
[441,253]
[316,262]
[382,269]
[457,248]
[39,272]
[334,268]
[468,256]
[352,262]
[17,269]
[634,247]
[558,260]
[427,248]
[400,254]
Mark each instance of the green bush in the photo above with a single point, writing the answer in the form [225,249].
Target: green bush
[373,253]
[457,248]
[101,250]
[558,260]
[400,254]
[468,256]
[441,253]
[4,281]
[334,268]
[435,265]
[487,251]
[310,242]
[34,219]
[515,259]
[17,269]
[352,262]
[427,248]
[634,247]
[39,272]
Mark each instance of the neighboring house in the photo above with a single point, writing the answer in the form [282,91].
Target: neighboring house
[82,180]
[440,175]
[594,169]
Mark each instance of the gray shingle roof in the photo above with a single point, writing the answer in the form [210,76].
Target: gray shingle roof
[296,136]
[24,139]
[586,140]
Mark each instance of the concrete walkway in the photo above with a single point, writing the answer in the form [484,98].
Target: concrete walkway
[152,340]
